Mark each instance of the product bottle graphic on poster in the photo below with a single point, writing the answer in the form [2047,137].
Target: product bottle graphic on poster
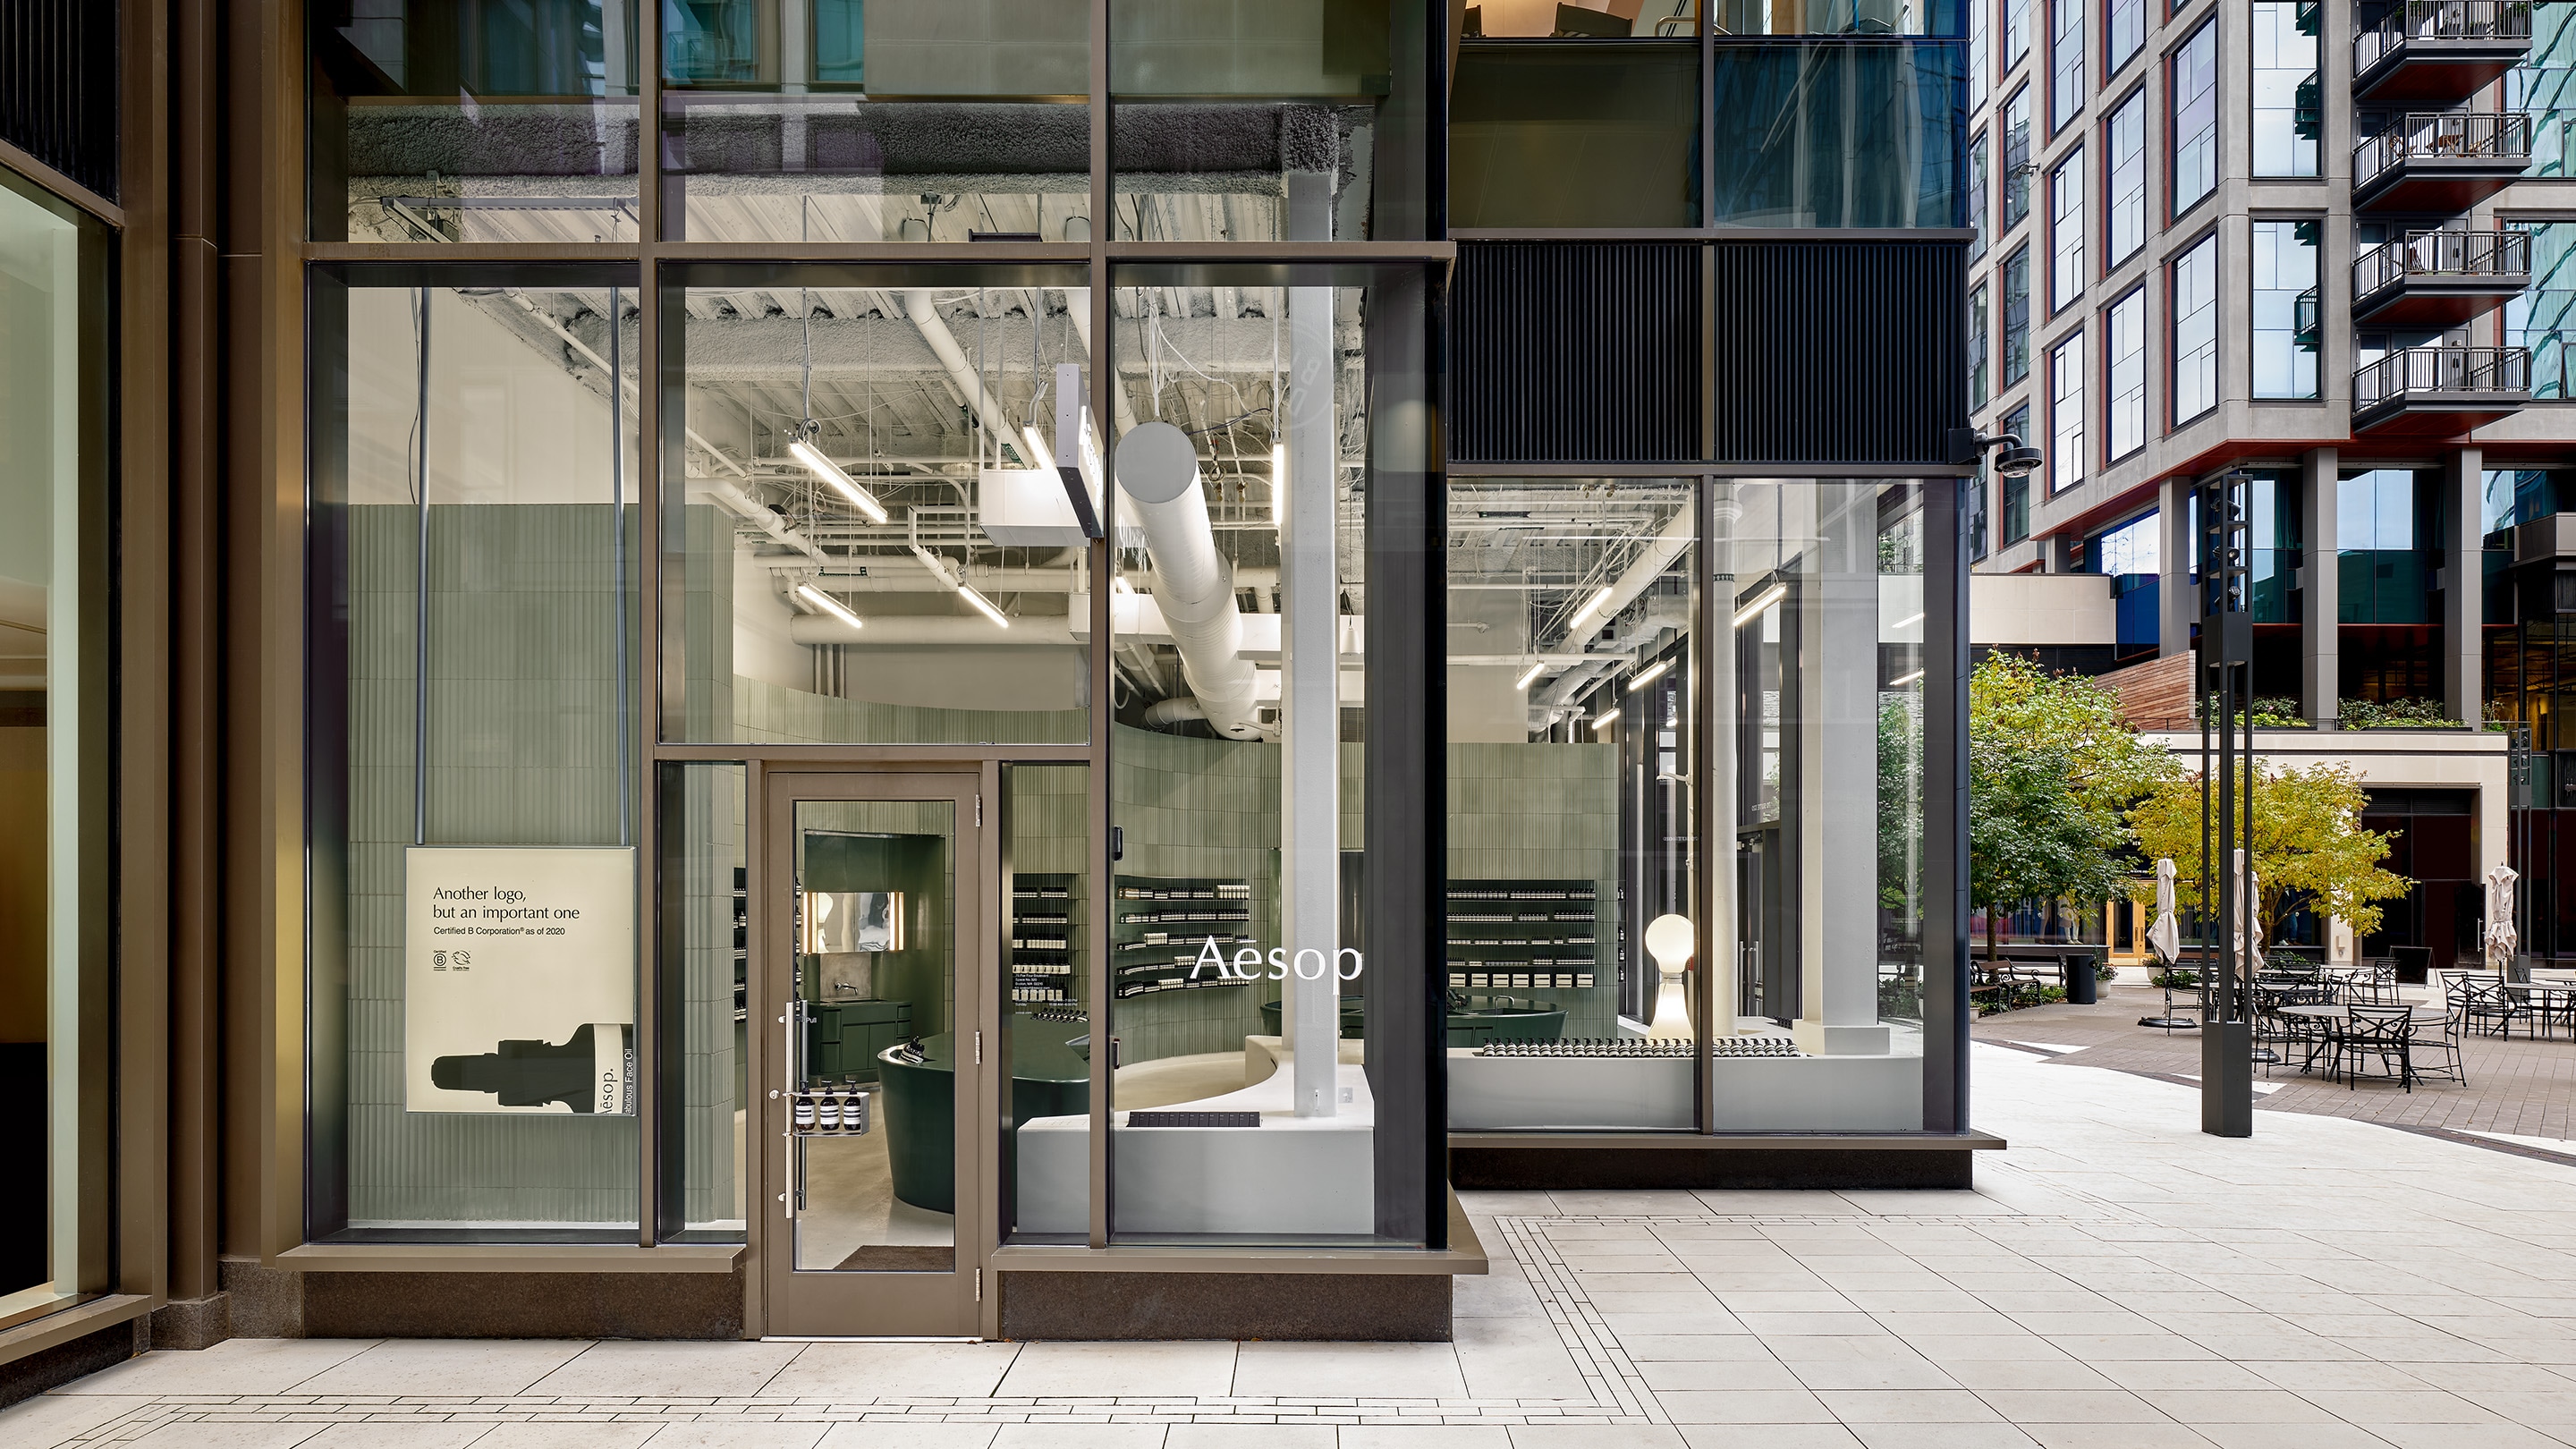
[519,979]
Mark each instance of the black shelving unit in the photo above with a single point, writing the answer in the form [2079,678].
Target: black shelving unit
[741,945]
[1046,931]
[1524,935]
[1162,925]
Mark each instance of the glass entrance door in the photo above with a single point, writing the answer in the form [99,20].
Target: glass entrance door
[874,889]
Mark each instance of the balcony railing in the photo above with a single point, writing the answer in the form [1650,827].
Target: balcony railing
[2451,255]
[2415,370]
[2439,20]
[2444,136]
[2304,314]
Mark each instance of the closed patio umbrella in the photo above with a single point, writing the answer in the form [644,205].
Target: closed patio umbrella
[2249,922]
[2165,936]
[2502,941]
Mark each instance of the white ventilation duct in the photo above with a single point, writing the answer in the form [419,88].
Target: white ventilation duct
[1158,468]
[961,374]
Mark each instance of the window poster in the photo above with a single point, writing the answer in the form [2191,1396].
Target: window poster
[519,979]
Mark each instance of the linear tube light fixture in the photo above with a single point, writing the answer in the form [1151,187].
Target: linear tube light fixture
[837,480]
[1648,675]
[1605,719]
[1903,680]
[1761,601]
[1278,479]
[1908,622]
[829,605]
[940,570]
[1525,681]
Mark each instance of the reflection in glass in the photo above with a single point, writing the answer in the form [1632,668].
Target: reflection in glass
[1236,966]
[1574,134]
[889,121]
[1842,134]
[1573,672]
[54,1061]
[1046,1026]
[878,532]
[475,121]
[1253,120]
[474,654]
[872,1062]
[706,958]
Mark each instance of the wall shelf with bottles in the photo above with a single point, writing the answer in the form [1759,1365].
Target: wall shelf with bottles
[1046,928]
[1524,935]
[1162,927]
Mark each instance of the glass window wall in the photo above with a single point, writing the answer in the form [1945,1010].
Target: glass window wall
[2066,233]
[1981,201]
[1979,339]
[2066,62]
[2125,424]
[2125,134]
[2017,157]
[2542,316]
[2195,330]
[2066,456]
[2194,89]
[476,121]
[1255,120]
[2015,519]
[2385,536]
[889,121]
[2128,32]
[475,890]
[2289,113]
[874,498]
[2016,284]
[2016,33]
[1845,133]
[55,901]
[705,985]
[2284,286]
[1575,133]
[1593,943]
[2542,85]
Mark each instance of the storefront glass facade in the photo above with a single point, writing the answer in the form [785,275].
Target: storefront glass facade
[55,704]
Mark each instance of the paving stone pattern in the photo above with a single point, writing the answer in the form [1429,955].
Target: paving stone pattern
[2116,1279]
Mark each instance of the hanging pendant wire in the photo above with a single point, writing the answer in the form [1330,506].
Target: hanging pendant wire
[420,603]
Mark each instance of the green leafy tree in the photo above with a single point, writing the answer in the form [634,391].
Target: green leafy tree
[2307,841]
[2052,767]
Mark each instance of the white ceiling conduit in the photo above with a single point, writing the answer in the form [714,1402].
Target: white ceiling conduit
[1158,468]
[961,373]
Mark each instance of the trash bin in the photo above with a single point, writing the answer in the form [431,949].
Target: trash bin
[2080,983]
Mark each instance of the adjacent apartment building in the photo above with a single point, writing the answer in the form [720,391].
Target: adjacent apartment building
[2324,247]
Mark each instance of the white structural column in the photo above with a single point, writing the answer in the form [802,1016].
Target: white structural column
[1722,938]
[1310,711]
[1837,797]
[2320,584]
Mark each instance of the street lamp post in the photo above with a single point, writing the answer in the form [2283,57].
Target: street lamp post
[2225,686]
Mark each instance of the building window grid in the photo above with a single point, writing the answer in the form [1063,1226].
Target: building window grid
[2125,345]
[2193,87]
[2126,34]
[2016,33]
[1980,197]
[2016,325]
[1978,339]
[2285,106]
[2066,233]
[2017,163]
[2195,330]
[2066,413]
[1980,50]
[2283,286]
[2125,138]
[2066,63]
[2016,501]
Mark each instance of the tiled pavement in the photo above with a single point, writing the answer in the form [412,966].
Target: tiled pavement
[2117,1279]
[2515,1086]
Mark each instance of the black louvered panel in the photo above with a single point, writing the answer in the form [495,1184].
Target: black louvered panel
[1839,351]
[1575,352]
[58,86]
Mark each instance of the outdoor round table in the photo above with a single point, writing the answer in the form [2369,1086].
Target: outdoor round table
[2564,1008]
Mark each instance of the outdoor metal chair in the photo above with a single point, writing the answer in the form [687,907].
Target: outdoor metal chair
[2385,1034]
[2490,1007]
[2442,1054]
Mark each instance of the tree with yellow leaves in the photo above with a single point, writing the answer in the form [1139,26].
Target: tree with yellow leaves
[2307,844]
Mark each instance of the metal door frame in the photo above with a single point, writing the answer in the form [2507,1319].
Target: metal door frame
[826,1303]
